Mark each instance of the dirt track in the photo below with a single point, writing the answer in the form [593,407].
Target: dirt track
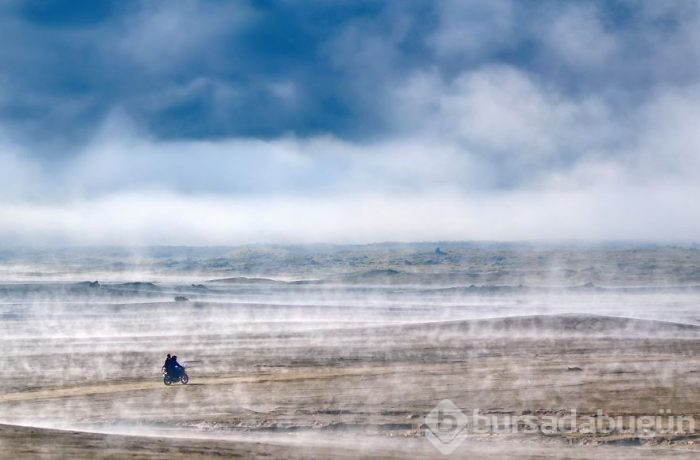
[295,374]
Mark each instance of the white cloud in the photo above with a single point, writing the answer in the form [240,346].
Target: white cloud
[506,114]
[577,37]
[669,141]
[18,178]
[473,29]
[164,35]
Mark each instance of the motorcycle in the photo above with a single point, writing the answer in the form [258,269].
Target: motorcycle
[169,379]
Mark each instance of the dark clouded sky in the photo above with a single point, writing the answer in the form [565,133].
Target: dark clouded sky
[200,122]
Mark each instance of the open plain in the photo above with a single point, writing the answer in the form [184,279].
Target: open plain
[328,359]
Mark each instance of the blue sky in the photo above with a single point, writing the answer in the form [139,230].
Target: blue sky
[207,122]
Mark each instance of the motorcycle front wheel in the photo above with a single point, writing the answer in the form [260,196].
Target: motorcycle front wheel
[184,379]
[166,380]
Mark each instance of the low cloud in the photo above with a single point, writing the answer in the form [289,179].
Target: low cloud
[126,187]
[147,217]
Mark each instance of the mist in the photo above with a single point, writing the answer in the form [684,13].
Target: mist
[317,347]
[366,229]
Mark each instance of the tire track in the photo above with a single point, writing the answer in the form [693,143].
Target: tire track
[297,374]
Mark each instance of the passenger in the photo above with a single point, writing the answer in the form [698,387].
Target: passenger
[166,365]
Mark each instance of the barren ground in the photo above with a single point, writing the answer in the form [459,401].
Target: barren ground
[340,371]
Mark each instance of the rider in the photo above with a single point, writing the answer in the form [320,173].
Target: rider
[176,368]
